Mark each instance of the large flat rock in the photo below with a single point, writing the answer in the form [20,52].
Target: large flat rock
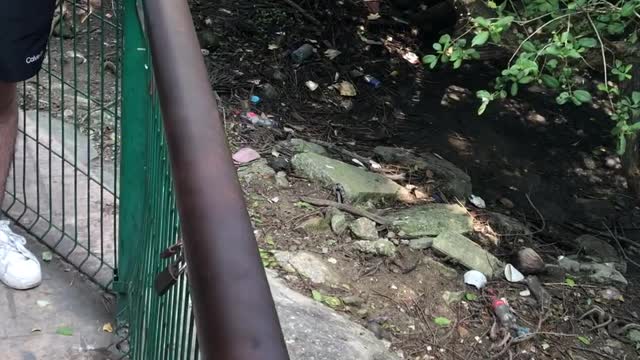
[431,220]
[467,253]
[313,331]
[453,181]
[359,185]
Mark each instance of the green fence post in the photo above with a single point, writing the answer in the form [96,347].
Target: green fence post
[135,104]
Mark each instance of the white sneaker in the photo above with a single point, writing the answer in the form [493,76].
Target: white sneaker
[19,268]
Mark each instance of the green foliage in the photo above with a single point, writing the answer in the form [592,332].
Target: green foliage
[557,44]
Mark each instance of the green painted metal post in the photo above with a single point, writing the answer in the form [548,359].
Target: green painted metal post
[136,77]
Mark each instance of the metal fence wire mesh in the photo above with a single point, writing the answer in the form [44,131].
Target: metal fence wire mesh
[108,210]
[63,187]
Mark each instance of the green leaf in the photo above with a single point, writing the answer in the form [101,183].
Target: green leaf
[480,38]
[482,21]
[622,144]
[332,301]
[569,281]
[514,89]
[437,47]
[483,94]
[550,81]
[584,340]
[582,95]
[303,205]
[64,331]
[442,321]
[526,79]
[627,9]
[588,42]
[529,47]
[429,59]
[445,39]
[483,107]
[635,96]
[316,295]
[457,63]
[634,127]
[470,296]
[47,256]
[603,87]
[615,28]
[552,64]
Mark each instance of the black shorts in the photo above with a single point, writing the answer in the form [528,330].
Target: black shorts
[24,31]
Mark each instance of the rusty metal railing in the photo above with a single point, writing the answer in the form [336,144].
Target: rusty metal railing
[234,313]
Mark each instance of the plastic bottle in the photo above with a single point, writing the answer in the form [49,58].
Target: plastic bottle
[503,313]
[373,81]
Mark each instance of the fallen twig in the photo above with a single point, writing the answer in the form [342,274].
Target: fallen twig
[363,159]
[303,12]
[624,254]
[593,352]
[603,233]
[348,208]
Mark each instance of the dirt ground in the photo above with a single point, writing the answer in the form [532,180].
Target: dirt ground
[542,164]
[549,161]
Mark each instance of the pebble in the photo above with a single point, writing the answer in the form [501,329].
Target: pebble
[589,163]
[507,203]
[353,300]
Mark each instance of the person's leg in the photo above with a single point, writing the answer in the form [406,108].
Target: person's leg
[8,131]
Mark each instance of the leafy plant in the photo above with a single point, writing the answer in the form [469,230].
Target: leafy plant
[557,44]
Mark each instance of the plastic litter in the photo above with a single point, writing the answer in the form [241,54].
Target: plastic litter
[255,99]
[311,85]
[302,53]
[412,58]
[258,120]
[475,278]
[512,274]
[347,89]
[503,312]
[332,54]
[245,155]
[477,201]
[372,81]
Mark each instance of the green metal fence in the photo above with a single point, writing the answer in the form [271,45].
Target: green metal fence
[91,178]
[159,327]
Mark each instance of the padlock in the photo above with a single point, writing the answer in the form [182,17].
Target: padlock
[169,276]
[171,250]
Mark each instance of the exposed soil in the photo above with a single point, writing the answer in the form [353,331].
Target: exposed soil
[549,161]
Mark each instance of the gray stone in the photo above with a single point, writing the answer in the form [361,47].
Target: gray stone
[455,182]
[308,265]
[598,273]
[439,268]
[256,171]
[467,253]
[359,185]
[352,300]
[382,247]
[314,225]
[506,225]
[339,222]
[281,180]
[313,331]
[596,249]
[297,146]
[431,220]
[364,228]
[420,244]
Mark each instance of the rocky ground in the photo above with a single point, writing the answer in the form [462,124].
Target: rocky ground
[377,199]
[374,187]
